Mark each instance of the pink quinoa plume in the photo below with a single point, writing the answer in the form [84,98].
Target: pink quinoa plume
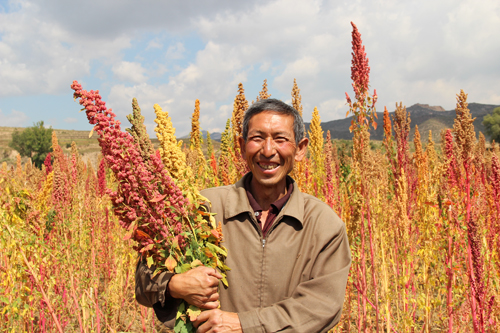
[360,71]
[145,195]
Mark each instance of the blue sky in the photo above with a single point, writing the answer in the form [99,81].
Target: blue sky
[173,52]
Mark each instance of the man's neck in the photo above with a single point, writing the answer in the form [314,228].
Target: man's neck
[265,196]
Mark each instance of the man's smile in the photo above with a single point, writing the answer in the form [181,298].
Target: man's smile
[268,165]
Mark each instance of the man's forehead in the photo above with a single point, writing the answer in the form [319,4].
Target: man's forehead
[267,122]
[283,117]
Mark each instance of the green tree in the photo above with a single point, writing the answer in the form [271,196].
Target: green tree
[492,124]
[34,142]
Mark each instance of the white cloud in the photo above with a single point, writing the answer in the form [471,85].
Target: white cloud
[212,79]
[175,51]
[423,52]
[332,109]
[111,19]
[14,119]
[129,71]
[407,46]
[39,56]
[310,41]
[71,120]
[179,107]
[492,98]
[306,66]
[66,50]
[154,44]
[52,122]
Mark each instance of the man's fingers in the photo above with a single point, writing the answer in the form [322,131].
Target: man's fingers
[215,273]
[209,302]
[202,317]
[210,290]
[197,286]
[210,298]
[210,305]
[213,297]
[213,281]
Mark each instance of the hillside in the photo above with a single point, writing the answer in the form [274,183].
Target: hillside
[87,147]
[426,117]
[65,138]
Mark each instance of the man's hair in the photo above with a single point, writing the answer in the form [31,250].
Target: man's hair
[274,105]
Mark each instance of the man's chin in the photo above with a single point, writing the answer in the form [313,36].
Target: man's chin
[268,182]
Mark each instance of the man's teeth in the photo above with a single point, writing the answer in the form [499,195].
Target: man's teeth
[268,166]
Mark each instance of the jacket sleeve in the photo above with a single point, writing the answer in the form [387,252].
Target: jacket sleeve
[315,305]
[150,292]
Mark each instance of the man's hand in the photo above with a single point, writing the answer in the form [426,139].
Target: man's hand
[217,321]
[197,286]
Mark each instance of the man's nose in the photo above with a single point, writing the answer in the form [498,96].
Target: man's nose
[269,148]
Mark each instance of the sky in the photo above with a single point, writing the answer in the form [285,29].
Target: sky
[174,52]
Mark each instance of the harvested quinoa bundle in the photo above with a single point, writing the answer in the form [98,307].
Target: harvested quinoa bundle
[171,226]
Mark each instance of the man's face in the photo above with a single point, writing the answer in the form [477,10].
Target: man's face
[270,149]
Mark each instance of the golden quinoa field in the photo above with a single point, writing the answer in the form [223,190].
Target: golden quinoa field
[423,225]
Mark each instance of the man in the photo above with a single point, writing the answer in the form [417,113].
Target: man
[288,251]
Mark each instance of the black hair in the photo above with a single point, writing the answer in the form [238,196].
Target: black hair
[275,105]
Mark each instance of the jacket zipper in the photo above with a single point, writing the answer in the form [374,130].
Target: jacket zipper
[275,223]
[263,240]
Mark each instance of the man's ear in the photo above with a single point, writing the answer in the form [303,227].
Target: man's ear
[241,142]
[301,149]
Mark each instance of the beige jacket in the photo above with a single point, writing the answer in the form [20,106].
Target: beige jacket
[292,280]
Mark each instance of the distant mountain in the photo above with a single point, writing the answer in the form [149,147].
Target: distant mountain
[426,117]
[433,108]
[216,136]
[213,136]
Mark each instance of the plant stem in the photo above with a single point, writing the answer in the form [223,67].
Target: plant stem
[45,298]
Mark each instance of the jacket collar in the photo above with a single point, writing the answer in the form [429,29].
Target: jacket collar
[237,202]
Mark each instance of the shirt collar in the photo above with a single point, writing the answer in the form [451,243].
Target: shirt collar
[237,201]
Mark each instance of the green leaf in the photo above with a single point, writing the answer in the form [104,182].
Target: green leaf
[225,281]
[156,272]
[202,198]
[221,265]
[171,263]
[217,249]
[180,310]
[213,223]
[190,328]
[150,261]
[193,312]
[184,268]
[189,253]
[180,326]
[196,263]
